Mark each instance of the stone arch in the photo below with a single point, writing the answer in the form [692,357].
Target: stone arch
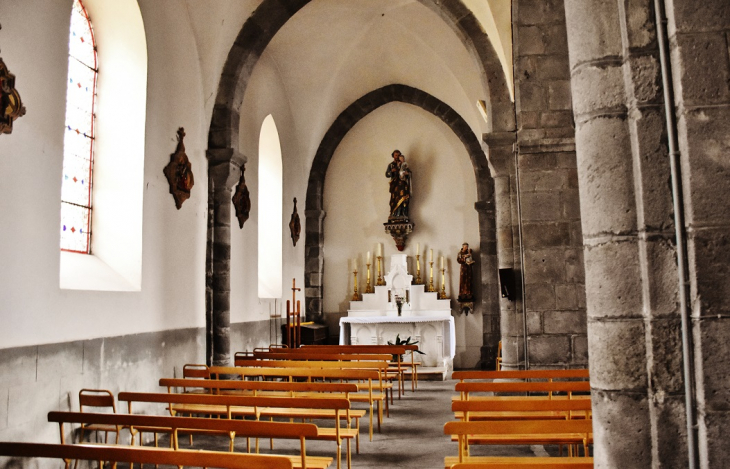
[314,236]
[225,160]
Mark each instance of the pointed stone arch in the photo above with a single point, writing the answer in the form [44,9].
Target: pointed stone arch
[225,159]
[314,240]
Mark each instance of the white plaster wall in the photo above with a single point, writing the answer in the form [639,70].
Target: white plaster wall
[266,95]
[356,201]
[33,310]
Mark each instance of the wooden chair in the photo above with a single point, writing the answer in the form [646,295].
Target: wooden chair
[98,399]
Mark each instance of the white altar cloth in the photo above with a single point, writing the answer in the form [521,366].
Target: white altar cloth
[450,337]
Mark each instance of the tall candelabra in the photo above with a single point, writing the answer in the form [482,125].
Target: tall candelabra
[419,280]
[368,288]
[380,280]
[430,280]
[443,294]
[355,295]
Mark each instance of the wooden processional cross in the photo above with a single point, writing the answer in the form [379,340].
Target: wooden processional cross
[293,319]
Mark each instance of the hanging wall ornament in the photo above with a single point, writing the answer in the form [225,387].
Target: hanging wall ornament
[179,172]
[241,200]
[11,107]
[295,225]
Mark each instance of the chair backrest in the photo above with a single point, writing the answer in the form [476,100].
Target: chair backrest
[97,398]
[193,370]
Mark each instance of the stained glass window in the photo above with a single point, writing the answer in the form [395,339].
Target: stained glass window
[78,144]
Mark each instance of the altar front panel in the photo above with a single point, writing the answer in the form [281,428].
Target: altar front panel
[435,335]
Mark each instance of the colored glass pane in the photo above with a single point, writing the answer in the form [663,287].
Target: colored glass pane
[78,142]
[74,231]
[81,39]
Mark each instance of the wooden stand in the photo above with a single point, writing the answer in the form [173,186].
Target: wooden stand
[293,319]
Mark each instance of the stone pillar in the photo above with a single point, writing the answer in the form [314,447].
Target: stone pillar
[629,247]
[489,291]
[699,34]
[500,152]
[544,187]
[314,264]
[224,169]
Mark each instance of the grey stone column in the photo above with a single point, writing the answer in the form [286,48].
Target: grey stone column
[314,264]
[631,277]
[500,152]
[224,169]
[489,291]
[699,34]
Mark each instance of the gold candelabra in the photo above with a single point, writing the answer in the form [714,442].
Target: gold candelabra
[430,280]
[355,295]
[443,294]
[419,280]
[368,288]
[380,280]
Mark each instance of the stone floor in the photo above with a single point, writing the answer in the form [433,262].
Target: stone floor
[411,438]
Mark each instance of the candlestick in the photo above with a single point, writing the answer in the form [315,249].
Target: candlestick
[355,295]
[368,287]
[380,280]
[443,294]
[430,281]
[418,281]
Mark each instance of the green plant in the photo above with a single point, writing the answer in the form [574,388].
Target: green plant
[399,341]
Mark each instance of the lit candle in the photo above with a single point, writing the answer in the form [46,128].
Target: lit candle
[418,248]
[368,257]
[442,262]
[430,255]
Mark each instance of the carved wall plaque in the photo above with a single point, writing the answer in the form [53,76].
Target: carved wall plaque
[11,107]
[179,172]
[295,226]
[241,200]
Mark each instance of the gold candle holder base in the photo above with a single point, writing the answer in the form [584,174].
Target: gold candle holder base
[369,288]
[430,280]
[355,295]
[418,280]
[380,280]
[442,294]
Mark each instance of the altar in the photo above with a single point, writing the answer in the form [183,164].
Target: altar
[423,317]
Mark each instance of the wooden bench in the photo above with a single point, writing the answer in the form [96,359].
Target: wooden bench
[548,388]
[258,407]
[381,366]
[395,369]
[517,432]
[527,463]
[369,376]
[144,455]
[549,375]
[397,351]
[176,425]
[522,409]
[276,388]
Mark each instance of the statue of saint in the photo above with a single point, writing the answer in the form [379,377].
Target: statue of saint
[466,291]
[400,186]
